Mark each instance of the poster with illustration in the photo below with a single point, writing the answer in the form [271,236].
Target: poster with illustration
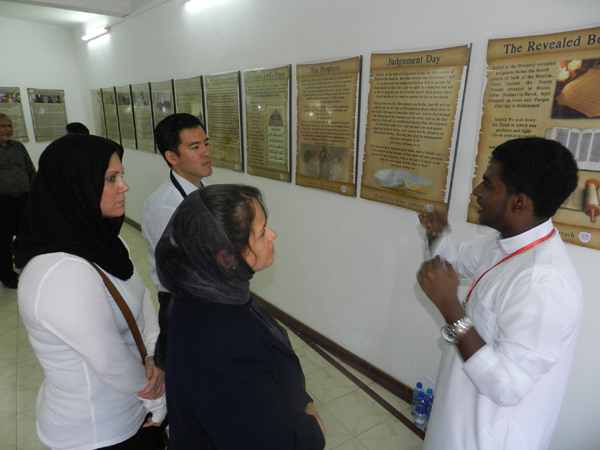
[548,86]
[328,120]
[268,122]
[415,104]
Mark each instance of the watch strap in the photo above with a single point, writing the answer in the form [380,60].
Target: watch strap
[453,333]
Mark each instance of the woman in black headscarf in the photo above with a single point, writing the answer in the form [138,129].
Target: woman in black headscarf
[233,380]
[96,391]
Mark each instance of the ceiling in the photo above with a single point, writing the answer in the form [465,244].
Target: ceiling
[70,13]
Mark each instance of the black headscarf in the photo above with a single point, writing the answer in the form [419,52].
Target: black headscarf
[63,211]
[187,264]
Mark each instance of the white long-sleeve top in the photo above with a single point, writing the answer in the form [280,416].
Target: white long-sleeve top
[527,310]
[158,210]
[92,366]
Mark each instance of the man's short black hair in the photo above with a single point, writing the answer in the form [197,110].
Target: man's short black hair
[542,169]
[167,132]
[77,128]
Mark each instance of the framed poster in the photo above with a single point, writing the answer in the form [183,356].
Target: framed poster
[126,122]
[189,98]
[415,104]
[111,116]
[142,114]
[328,120]
[548,86]
[48,112]
[163,104]
[224,120]
[98,112]
[268,138]
[10,104]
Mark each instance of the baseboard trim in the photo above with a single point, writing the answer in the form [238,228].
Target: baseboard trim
[311,336]
[133,223]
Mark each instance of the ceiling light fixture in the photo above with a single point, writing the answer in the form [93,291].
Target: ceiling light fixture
[197,5]
[96,33]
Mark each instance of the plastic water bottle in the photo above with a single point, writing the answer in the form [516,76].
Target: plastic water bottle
[418,389]
[429,401]
[421,412]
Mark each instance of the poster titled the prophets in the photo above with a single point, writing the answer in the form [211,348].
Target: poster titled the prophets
[10,104]
[328,94]
[548,86]
[98,112]
[48,112]
[188,97]
[142,113]
[267,122]
[110,114]
[224,120]
[125,109]
[415,103]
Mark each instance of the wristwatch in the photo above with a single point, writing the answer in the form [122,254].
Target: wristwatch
[453,333]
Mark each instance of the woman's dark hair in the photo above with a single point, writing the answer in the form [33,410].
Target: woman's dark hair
[542,169]
[232,207]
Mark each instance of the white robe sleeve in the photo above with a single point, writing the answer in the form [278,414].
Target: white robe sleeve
[532,332]
[464,258]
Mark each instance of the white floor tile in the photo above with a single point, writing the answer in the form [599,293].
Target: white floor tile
[29,370]
[26,432]
[357,411]
[8,355]
[8,433]
[27,395]
[352,444]
[8,402]
[33,446]
[336,432]
[310,360]
[328,384]
[390,435]
[8,376]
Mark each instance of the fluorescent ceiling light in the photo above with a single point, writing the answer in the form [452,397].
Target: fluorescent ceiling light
[96,33]
[197,5]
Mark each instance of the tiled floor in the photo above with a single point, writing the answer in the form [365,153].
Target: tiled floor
[353,420]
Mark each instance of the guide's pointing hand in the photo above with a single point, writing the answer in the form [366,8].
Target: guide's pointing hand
[434,223]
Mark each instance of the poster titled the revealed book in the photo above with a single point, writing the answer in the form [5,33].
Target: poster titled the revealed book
[549,86]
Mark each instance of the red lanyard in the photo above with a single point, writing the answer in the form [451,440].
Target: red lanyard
[518,252]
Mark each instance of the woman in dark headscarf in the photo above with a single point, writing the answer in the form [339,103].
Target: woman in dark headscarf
[233,380]
[96,392]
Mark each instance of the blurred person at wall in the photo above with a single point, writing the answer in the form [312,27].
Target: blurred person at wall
[504,371]
[17,173]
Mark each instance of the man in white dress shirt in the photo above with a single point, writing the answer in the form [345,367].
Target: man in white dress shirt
[181,139]
[505,368]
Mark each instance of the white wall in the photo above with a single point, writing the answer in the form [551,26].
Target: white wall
[344,266]
[42,57]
